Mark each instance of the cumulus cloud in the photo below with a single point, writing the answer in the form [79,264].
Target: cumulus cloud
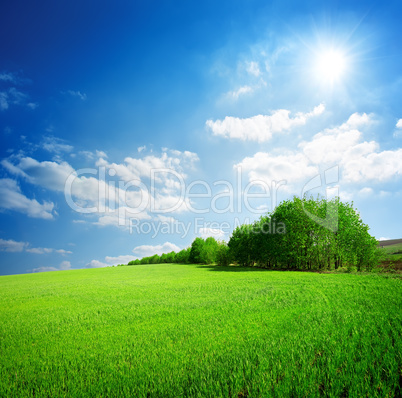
[122,259]
[47,250]
[44,269]
[261,127]
[111,261]
[399,124]
[11,198]
[360,161]
[344,141]
[211,232]
[64,265]
[114,193]
[291,168]
[150,250]
[47,174]
[135,168]
[12,246]
[97,264]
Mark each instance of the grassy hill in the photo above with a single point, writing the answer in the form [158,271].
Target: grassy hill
[392,254]
[199,331]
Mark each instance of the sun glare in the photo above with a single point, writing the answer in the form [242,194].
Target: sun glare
[331,65]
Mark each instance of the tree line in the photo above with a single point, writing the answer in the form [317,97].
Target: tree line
[300,234]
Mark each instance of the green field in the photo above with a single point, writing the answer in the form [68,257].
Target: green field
[200,331]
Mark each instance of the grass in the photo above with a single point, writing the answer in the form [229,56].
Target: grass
[200,331]
[393,251]
[391,258]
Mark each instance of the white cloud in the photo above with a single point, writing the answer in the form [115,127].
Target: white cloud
[12,246]
[150,250]
[135,168]
[359,161]
[64,265]
[17,97]
[46,250]
[114,192]
[111,261]
[101,154]
[45,269]
[8,77]
[11,198]
[261,127]
[32,105]
[122,259]
[379,167]
[399,124]
[342,142]
[367,191]
[141,148]
[39,250]
[211,232]
[56,145]
[50,175]
[241,91]
[3,101]
[291,167]
[78,94]
[253,68]
[96,264]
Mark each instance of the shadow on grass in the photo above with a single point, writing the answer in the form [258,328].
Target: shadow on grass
[231,268]
[236,268]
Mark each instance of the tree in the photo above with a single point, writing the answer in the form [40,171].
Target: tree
[208,252]
[316,234]
[222,254]
[196,250]
[240,245]
[182,257]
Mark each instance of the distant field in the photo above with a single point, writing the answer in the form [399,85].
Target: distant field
[200,331]
[392,252]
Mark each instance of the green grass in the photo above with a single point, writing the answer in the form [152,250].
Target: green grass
[199,331]
[393,252]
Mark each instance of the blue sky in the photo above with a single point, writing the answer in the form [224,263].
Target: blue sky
[128,128]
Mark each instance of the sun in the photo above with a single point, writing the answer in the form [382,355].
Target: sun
[331,65]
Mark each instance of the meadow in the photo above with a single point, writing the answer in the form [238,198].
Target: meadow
[171,330]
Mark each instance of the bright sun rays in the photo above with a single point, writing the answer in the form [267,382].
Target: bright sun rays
[331,65]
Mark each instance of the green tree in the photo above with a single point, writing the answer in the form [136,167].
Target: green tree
[240,245]
[196,250]
[222,254]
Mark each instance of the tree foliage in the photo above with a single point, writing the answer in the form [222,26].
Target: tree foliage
[302,233]
[307,234]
